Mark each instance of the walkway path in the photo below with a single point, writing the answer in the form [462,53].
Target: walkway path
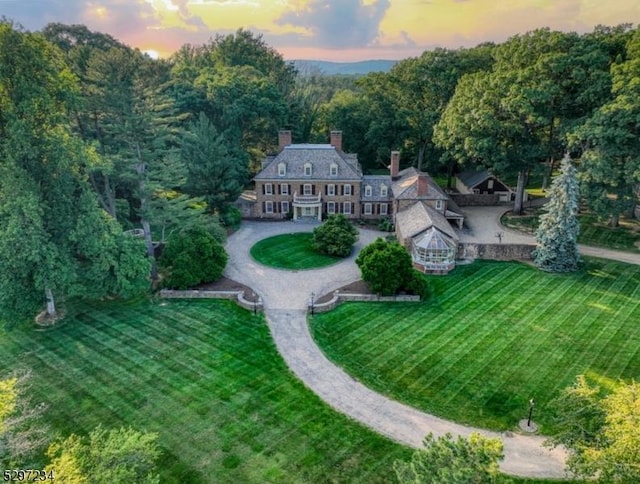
[484,223]
[285,295]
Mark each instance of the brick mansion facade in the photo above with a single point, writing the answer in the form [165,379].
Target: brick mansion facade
[309,181]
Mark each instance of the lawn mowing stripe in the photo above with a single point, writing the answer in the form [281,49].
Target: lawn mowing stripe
[533,347]
[480,333]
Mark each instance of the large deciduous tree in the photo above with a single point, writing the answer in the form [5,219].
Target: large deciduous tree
[445,460]
[515,119]
[599,428]
[610,164]
[45,249]
[557,233]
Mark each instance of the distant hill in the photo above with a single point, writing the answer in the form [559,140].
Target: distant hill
[345,68]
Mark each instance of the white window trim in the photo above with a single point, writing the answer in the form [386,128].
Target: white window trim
[304,189]
[284,189]
[438,204]
[268,189]
[333,170]
[383,190]
[284,207]
[368,191]
[331,190]
[282,169]
[345,206]
[347,190]
[268,207]
[331,207]
[308,170]
[368,209]
[384,209]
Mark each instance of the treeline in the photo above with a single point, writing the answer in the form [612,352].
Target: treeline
[96,138]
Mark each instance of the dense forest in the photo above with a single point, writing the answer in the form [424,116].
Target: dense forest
[98,139]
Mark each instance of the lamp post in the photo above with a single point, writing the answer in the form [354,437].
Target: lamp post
[499,236]
[312,297]
[531,404]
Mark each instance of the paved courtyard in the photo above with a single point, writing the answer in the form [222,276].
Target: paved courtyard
[286,294]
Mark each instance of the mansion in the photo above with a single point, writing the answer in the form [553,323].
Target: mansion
[309,181]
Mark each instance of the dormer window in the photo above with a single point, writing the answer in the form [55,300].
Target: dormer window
[367,191]
[282,169]
[307,169]
[383,190]
[333,170]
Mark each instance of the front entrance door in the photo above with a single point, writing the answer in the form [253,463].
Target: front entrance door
[307,212]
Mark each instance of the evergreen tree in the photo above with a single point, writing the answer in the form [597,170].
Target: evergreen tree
[557,234]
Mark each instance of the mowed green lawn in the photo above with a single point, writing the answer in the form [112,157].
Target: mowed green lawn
[493,336]
[207,377]
[290,251]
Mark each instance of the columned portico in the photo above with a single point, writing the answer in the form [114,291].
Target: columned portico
[307,206]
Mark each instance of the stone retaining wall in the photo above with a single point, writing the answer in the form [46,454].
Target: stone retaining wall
[496,251]
[475,200]
[238,296]
[338,297]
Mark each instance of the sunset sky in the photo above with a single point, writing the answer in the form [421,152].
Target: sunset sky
[338,30]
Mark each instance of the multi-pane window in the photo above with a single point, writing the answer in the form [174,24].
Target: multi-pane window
[347,191]
[268,189]
[307,169]
[333,170]
[331,207]
[284,207]
[331,190]
[282,169]
[383,190]
[347,207]
[384,209]
[284,189]
[438,204]
[367,191]
[367,209]
[268,207]
[307,189]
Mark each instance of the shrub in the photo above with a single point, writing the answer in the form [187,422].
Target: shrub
[335,237]
[192,257]
[385,225]
[231,217]
[388,269]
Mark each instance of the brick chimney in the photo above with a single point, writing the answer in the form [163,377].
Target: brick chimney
[395,164]
[423,185]
[336,140]
[284,139]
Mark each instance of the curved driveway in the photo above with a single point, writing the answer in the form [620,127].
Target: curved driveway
[286,294]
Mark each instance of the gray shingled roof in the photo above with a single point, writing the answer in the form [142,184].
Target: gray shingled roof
[419,217]
[406,187]
[472,178]
[321,158]
[375,181]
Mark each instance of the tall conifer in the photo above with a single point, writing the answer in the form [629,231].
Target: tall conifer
[557,234]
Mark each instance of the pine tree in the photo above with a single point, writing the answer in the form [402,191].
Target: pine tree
[557,234]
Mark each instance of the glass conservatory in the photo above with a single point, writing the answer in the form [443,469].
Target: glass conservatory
[434,252]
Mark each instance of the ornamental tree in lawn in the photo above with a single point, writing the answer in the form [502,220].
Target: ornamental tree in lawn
[388,269]
[557,234]
[335,237]
[192,257]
